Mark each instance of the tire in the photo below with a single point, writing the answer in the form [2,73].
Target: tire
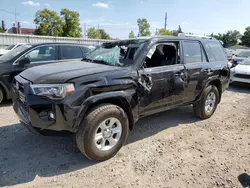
[1,95]
[95,123]
[200,108]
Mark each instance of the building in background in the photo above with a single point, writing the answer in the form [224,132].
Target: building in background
[19,30]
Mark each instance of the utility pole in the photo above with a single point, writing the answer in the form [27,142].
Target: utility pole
[166,18]
[98,27]
[15,17]
[85,32]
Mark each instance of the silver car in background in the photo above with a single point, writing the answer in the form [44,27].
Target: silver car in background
[241,72]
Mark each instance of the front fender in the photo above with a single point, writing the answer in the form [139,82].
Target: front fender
[129,97]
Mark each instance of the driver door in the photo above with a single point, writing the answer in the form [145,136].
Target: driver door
[40,55]
[166,82]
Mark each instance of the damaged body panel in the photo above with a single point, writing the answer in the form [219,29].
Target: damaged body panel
[142,76]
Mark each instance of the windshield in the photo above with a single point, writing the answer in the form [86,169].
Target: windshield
[244,54]
[9,55]
[246,62]
[119,53]
[9,47]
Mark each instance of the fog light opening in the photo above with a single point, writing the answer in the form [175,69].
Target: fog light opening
[52,116]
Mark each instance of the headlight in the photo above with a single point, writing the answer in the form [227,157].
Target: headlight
[54,91]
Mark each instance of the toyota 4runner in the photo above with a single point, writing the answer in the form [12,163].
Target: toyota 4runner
[102,97]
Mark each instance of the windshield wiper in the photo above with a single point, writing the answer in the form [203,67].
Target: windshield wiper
[87,59]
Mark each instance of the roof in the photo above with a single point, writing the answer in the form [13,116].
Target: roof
[53,43]
[159,38]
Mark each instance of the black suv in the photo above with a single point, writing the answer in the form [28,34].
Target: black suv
[102,97]
[29,55]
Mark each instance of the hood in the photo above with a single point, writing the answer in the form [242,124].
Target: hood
[242,69]
[2,51]
[62,72]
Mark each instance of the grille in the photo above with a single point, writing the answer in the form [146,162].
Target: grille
[242,76]
[19,86]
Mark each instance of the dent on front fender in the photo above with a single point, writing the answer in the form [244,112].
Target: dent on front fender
[86,95]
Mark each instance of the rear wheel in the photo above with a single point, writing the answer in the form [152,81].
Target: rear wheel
[1,95]
[207,105]
[103,132]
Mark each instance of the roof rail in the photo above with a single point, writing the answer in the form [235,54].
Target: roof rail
[197,36]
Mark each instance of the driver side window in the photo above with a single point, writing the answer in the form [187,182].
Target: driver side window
[43,53]
[163,54]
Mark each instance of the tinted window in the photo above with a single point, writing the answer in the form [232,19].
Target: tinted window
[192,52]
[71,52]
[43,53]
[215,51]
[85,50]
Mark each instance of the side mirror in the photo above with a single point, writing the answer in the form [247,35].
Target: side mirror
[24,61]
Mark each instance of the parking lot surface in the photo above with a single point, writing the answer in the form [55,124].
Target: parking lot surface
[169,149]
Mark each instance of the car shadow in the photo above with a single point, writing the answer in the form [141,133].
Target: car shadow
[240,88]
[6,103]
[25,155]
[244,179]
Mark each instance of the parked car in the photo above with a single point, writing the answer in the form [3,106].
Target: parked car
[29,55]
[230,53]
[241,73]
[10,47]
[241,56]
[100,98]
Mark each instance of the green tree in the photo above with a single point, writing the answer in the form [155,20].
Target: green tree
[179,30]
[71,26]
[164,32]
[144,27]
[50,23]
[2,28]
[131,35]
[230,38]
[245,39]
[97,34]
[103,34]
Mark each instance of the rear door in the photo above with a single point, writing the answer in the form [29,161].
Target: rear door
[197,67]
[70,52]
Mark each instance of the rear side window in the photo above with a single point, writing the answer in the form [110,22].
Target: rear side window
[71,52]
[85,50]
[215,51]
[193,53]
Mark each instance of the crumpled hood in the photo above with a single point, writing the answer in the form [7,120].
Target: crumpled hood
[242,69]
[62,72]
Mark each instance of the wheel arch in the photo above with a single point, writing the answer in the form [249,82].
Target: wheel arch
[217,83]
[121,101]
[5,90]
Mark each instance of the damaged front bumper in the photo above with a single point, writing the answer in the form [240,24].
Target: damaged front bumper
[39,113]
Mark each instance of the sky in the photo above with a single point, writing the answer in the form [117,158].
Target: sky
[118,17]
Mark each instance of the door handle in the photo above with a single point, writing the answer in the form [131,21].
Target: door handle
[179,74]
[207,70]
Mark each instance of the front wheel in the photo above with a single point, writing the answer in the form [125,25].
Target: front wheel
[1,95]
[103,132]
[207,105]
